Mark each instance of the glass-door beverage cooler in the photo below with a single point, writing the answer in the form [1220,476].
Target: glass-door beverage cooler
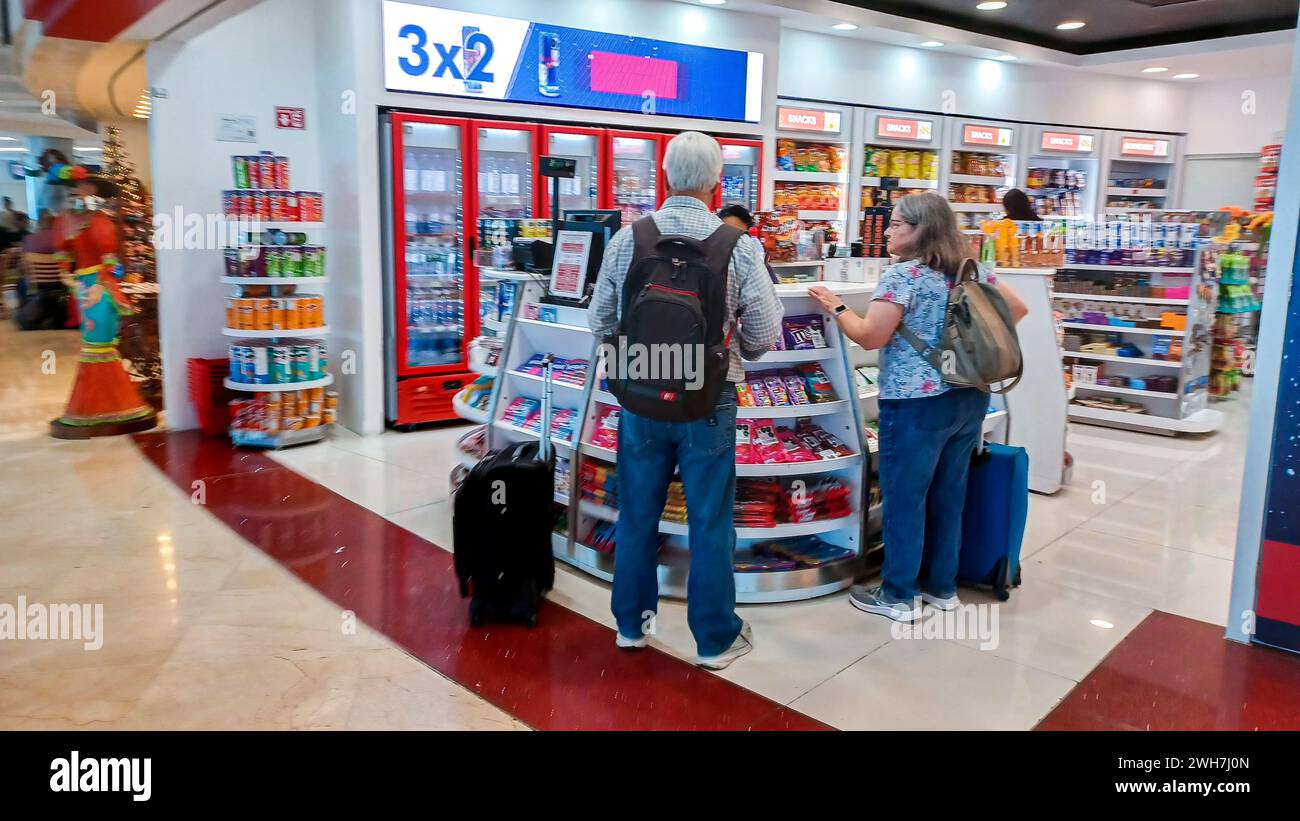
[585,147]
[635,187]
[427,279]
[742,164]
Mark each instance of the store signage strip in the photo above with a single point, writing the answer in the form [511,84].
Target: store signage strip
[987,135]
[1142,147]
[430,50]
[897,128]
[807,119]
[1061,141]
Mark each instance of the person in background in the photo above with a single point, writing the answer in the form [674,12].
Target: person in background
[1018,208]
[9,224]
[649,451]
[41,241]
[738,216]
[928,430]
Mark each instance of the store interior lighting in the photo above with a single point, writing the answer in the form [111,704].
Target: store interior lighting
[714,2]
[1005,58]
[1154,69]
[932,44]
[845,27]
[1070,25]
[1187,76]
[993,5]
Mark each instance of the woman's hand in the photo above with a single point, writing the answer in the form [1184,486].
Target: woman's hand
[824,295]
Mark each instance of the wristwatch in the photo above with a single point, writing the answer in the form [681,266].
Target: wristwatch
[841,308]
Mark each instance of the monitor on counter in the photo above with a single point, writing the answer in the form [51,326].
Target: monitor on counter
[579,248]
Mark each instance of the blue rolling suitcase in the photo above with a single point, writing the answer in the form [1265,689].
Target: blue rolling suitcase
[993,522]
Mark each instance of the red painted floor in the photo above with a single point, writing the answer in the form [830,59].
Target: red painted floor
[564,675]
[1173,673]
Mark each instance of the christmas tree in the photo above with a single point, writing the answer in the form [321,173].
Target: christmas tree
[139,332]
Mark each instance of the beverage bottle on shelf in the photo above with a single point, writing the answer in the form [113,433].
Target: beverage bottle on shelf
[426,173]
[493,176]
[411,171]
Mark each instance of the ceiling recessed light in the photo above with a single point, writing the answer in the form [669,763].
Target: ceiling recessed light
[992,6]
[1154,69]
[1005,58]
[1186,76]
[713,2]
[1102,623]
[1070,25]
[845,27]
[932,44]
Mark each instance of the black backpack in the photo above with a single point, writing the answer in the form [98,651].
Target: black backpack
[674,306]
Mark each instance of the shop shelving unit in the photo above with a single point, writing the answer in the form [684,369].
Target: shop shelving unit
[1166,412]
[569,337]
[831,129]
[991,144]
[1140,169]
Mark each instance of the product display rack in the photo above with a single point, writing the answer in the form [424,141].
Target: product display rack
[274,288]
[569,337]
[1166,412]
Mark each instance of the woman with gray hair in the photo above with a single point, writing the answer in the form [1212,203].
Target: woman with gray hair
[928,429]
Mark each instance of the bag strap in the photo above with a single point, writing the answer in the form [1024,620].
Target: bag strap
[645,236]
[969,271]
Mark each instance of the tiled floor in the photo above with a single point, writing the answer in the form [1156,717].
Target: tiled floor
[203,630]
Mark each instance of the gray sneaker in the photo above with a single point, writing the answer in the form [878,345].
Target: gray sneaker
[874,600]
[944,603]
[742,645]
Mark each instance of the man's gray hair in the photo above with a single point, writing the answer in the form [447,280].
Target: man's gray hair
[693,162]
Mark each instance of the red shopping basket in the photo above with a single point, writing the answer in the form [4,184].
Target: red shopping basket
[210,396]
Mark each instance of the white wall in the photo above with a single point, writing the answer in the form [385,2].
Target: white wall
[849,70]
[1237,116]
[244,65]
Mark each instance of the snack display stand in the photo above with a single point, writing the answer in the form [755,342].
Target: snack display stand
[811,171]
[1140,172]
[897,153]
[1061,168]
[981,164]
[1165,368]
[581,448]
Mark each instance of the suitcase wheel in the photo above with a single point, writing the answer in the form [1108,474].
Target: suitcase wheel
[531,619]
[1001,587]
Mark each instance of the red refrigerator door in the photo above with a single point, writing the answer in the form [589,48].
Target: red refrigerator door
[742,173]
[634,177]
[586,146]
[436,310]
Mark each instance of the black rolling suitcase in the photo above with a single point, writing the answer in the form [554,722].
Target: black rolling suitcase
[501,527]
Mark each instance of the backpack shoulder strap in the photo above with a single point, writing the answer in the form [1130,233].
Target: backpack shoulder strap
[719,246]
[645,236]
[969,272]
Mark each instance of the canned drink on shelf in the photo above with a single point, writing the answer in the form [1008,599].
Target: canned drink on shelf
[262,309]
[317,397]
[324,357]
[271,411]
[292,261]
[261,209]
[233,357]
[261,365]
[232,313]
[266,163]
[282,172]
[301,365]
[331,400]
[275,206]
[281,365]
[228,206]
[246,308]
[311,420]
[291,423]
[243,205]
[313,362]
[317,256]
[304,403]
[274,258]
[255,179]
[328,416]
[239,167]
[277,314]
[292,208]
[292,320]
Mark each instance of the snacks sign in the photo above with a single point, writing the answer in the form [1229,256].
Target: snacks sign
[804,119]
[986,135]
[895,128]
[1061,141]
[1143,147]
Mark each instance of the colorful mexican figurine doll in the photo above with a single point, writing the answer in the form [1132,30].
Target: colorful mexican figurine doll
[104,400]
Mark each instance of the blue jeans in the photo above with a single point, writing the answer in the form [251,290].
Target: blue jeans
[925,452]
[648,453]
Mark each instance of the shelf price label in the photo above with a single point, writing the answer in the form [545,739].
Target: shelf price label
[986,135]
[1143,147]
[1061,141]
[896,128]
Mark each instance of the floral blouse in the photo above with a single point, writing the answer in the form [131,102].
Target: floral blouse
[923,293]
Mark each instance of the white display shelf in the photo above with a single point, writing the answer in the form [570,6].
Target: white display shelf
[792,411]
[554,382]
[1084,326]
[1136,192]
[561,498]
[597,395]
[1127,360]
[1203,421]
[1084,386]
[537,323]
[287,333]
[810,176]
[1114,211]
[511,275]
[813,355]
[609,514]
[282,439]
[1139,300]
[607,454]
[274,280]
[800,289]
[802,263]
[494,324]
[870,393]
[327,379]
[466,411]
[800,468]
[903,182]
[976,179]
[974,207]
[822,216]
[1139,269]
[991,420]
[562,444]
[785,531]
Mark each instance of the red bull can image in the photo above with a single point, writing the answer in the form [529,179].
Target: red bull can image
[548,64]
[472,56]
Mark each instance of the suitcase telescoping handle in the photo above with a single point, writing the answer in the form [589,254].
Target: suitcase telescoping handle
[544,437]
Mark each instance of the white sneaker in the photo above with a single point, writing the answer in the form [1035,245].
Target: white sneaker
[742,645]
[944,603]
[874,600]
[630,644]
